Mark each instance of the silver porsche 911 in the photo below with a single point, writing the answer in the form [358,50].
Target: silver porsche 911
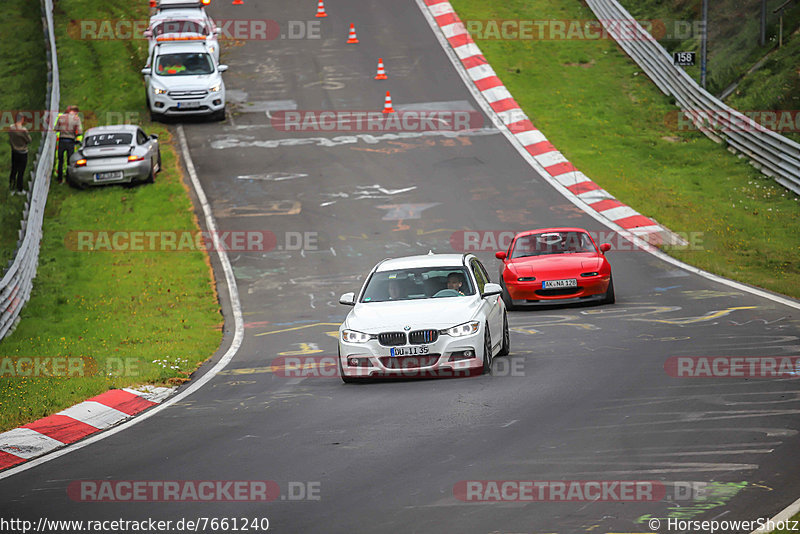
[121,154]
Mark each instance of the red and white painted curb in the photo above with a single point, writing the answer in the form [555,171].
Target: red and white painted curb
[75,423]
[534,141]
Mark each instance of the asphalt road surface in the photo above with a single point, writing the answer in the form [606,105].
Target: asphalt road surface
[584,394]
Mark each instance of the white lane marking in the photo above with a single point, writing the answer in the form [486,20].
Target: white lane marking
[266,106]
[94,414]
[402,212]
[387,191]
[27,443]
[516,115]
[272,176]
[238,336]
[509,423]
[238,141]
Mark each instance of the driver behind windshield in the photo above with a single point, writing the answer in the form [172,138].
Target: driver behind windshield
[455,281]
[396,290]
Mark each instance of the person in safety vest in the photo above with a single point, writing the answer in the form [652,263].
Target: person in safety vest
[69,131]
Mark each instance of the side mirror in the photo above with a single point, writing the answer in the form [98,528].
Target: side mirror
[491,289]
[605,247]
[222,68]
[148,33]
[147,71]
[348,299]
[500,255]
[217,31]
[154,136]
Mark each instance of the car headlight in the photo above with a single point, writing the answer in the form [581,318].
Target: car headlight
[353,336]
[159,90]
[216,88]
[464,329]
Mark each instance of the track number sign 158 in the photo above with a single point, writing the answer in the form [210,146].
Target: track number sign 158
[684,59]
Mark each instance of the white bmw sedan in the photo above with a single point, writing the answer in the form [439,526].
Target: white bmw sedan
[423,316]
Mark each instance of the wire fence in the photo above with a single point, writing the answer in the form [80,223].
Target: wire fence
[773,154]
[17,282]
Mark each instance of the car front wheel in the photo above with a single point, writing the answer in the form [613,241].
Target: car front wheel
[506,346]
[487,352]
[506,296]
[610,298]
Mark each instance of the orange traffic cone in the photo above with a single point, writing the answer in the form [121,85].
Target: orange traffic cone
[381,72]
[352,39]
[238,2]
[321,9]
[387,105]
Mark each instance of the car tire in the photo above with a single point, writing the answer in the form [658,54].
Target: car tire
[506,296]
[151,177]
[506,346]
[610,298]
[219,116]
[487,352]
[76,185]
[159,161]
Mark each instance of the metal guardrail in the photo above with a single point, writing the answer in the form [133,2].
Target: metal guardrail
[772,153]
[17,281]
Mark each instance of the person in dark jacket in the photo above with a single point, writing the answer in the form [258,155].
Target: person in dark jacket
[20,139]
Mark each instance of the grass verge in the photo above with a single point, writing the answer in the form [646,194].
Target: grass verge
[130,317]
[597,107]
[24,74]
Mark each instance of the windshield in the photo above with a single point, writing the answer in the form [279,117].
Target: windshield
[110,139]
[184,64]
[415,284]
[552,243]
[179,26]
